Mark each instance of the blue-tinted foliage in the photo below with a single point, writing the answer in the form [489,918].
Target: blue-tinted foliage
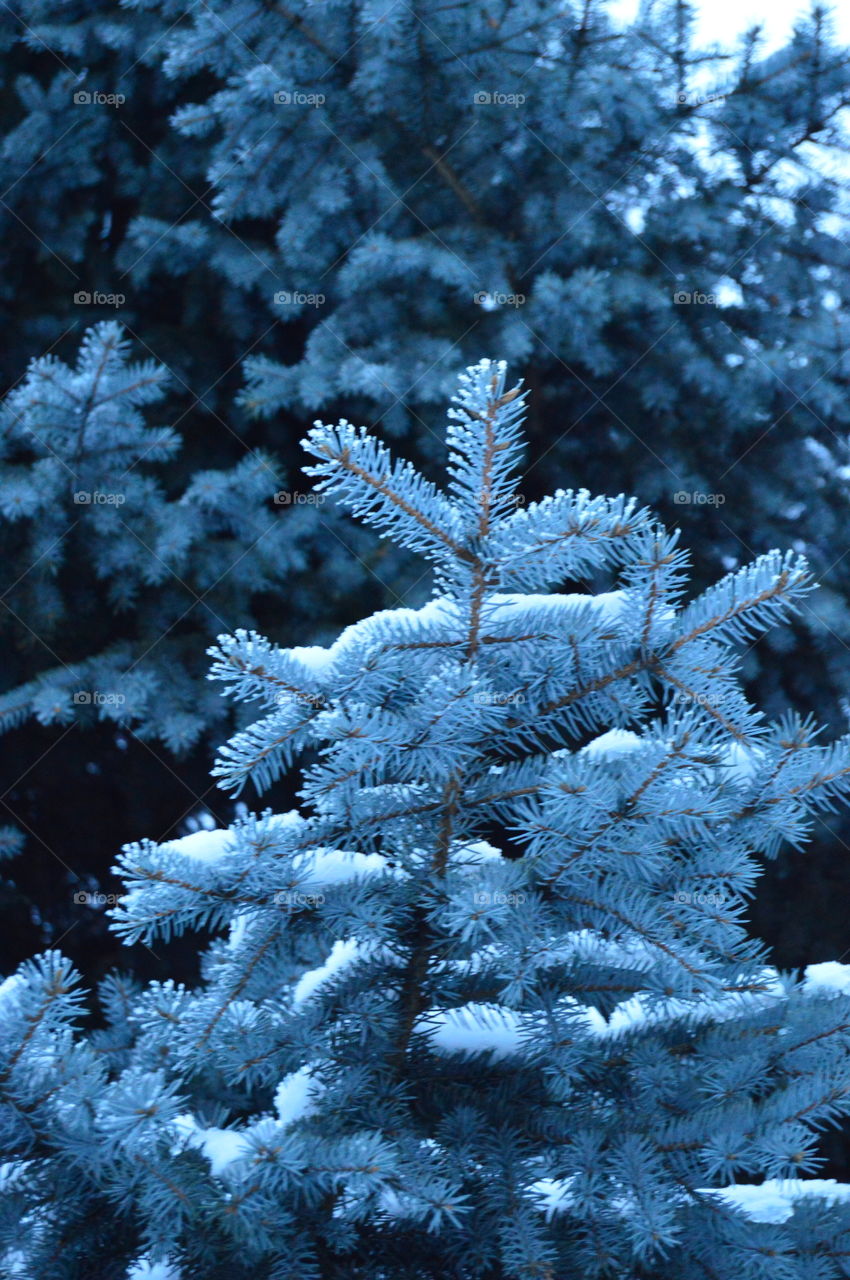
[484,1005]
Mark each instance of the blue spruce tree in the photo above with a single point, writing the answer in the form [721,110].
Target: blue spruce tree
[484,1005]
[652,232]
[110,572]
[86,120]
[92,539]
[353,200]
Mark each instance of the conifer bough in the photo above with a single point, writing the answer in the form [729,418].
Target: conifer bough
[485,1005]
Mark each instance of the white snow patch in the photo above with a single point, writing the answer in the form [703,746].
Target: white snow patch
[187,1132]
[478,1028]
[830,975]
[320,660]
[204,846]
[588,946]
[616,742]
[394,1204]
[742,763]
[342,954]
[640,1010]
[552,1195]
[11,1172]
[438,609]
[473,1028]
[220,1146]
[444,612]
[475,852]
[296,1095]
[314,657]
[335,866]
[773,1201]
[292,818]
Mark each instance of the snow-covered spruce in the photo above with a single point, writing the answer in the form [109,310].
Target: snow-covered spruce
[484,1006]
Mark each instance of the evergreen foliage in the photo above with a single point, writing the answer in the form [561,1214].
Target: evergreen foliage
[92,533]
[336,153]
[336,207]
[86,152]
[653,232]
[99,553]
[484,1005]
